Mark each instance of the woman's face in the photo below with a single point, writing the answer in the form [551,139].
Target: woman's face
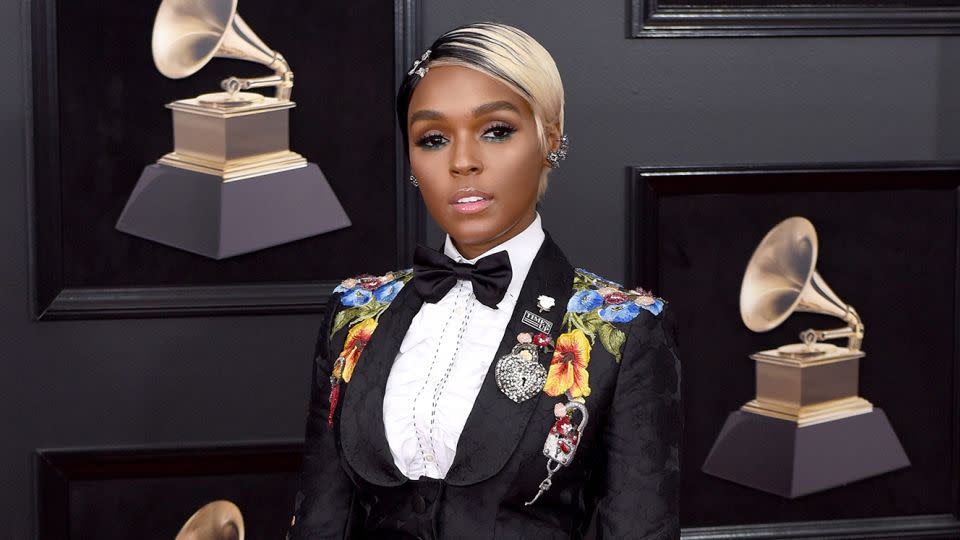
[475,152]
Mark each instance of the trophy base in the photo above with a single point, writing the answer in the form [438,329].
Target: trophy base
[203,214]
[237,169]
[810,414]
[777,456]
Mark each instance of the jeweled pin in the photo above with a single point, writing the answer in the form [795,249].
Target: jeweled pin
[562,442]
[519,374]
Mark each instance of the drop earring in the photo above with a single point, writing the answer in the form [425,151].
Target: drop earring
[554,158]
[413,180]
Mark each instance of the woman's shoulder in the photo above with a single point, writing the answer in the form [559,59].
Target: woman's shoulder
[603,310]
[357,290]
[365,296]
[611,301]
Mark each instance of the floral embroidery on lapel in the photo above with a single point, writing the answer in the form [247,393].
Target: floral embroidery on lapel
[596,305]
[366,297]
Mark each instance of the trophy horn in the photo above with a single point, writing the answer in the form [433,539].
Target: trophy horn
[189,33]
[218,520]
[781,278]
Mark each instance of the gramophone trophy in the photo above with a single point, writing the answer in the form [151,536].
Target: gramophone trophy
[808,429]
[231,184]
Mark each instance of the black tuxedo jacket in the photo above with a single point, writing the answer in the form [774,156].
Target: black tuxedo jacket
[623,482]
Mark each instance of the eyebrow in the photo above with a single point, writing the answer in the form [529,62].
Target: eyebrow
[481,110]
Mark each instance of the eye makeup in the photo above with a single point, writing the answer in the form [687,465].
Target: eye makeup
[431,140]
[497,132]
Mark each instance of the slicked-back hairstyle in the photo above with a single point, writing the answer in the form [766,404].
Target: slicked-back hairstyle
[507,54]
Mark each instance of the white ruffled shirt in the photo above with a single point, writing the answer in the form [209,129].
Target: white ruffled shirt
[443,361]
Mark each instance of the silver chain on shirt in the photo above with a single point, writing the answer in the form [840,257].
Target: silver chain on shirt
[441,385]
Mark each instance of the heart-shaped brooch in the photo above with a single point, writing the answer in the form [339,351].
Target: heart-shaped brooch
[519,373]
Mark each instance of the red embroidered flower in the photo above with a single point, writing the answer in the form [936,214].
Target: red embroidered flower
[369,282]
[615,297]
[542,339]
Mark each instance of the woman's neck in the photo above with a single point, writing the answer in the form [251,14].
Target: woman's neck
[470,251]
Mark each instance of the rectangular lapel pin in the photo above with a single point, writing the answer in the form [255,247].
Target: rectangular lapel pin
[537,322]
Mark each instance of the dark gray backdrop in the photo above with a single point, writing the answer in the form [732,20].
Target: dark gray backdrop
[678,101]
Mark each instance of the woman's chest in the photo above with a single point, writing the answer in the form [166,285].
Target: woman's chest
[435,379]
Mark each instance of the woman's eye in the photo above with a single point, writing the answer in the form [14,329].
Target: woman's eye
[500,132]
[431,141]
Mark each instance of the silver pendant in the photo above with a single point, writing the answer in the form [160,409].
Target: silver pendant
[561,444]
[519,375]
[564,436]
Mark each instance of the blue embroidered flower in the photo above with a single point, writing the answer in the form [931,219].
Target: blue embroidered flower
[656,307]
[388,291]
[340,288]
[584,301]
[356,297]
[620,313]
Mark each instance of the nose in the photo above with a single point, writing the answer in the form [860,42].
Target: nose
[464,160]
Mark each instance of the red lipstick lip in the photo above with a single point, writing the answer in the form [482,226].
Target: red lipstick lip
[461,193]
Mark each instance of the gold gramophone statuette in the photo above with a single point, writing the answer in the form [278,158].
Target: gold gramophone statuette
[811,381]
[234,134]
[231,185]
[807,429]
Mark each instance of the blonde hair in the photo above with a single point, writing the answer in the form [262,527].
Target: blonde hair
[507,54]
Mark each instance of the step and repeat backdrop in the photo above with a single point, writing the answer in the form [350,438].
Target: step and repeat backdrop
[849,430]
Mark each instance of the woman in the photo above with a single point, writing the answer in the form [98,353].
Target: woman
[492,391]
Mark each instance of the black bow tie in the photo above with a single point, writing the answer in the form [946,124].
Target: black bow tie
[434,274]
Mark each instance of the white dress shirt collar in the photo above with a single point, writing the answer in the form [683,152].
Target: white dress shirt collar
[521,249]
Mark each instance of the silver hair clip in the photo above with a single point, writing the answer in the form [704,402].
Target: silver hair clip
[421,71]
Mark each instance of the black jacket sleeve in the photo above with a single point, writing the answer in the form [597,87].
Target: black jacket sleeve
[639,497]
[325,495]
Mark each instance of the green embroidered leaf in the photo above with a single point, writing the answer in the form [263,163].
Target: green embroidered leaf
[612,339]
[376,314]
[581,281]
[369,311]
[592,322]
[576,321]
[354,315]
[342,319]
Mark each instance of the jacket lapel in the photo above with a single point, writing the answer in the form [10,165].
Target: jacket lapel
[362,433]
[496,423]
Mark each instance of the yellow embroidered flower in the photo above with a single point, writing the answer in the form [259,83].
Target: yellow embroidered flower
[568,369]
[357,338]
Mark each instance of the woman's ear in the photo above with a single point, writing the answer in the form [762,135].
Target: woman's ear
[553,134]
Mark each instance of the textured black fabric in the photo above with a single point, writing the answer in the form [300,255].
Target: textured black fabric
[434,274]
[623,482]
[325,489]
